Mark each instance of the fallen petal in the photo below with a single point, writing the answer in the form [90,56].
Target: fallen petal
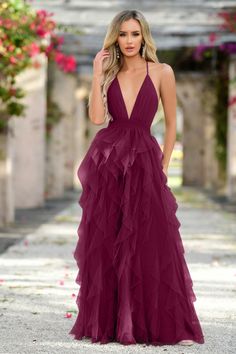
[68,315]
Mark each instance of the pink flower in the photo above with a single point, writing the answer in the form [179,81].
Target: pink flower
[11,48]
[232,101]
[32,26]
[49,49]
[212,37]
[13,60]
[73,295]
[34,49]
[66,63]
[68,315]
[61,282]
[225,15]
[70,64]
[59,57]
[41,32]
[1,281]
[8,23]
[199,51]
[41,13]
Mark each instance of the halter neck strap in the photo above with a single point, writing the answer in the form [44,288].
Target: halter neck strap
[147,66]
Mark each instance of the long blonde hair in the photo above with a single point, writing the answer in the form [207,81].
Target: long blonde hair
[112,65]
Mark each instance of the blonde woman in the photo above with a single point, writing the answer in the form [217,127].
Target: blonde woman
[135,286]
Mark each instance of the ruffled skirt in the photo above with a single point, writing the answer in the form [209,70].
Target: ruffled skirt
[135,286]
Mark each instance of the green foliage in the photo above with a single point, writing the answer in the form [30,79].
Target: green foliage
[221,112]
[15,36]
[217,63]
[25,33]
[54,115]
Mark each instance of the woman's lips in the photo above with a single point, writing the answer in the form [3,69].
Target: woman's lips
[129,49]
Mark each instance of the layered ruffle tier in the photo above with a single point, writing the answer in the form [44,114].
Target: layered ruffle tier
[135,286]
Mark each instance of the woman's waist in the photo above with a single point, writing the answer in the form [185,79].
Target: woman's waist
[130,124]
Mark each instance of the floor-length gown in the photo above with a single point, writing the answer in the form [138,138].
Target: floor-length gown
[135,286]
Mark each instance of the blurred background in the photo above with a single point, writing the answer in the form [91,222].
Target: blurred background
[46,58]
[46,73]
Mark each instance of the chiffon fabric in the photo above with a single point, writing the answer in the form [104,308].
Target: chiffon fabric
[134,283]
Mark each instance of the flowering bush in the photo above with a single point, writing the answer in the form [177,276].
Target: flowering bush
[229,25]
[219,52]
[24,33]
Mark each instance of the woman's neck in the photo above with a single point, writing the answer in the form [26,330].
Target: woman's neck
[132,63]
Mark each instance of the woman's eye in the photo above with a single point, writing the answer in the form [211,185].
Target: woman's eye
[123,34]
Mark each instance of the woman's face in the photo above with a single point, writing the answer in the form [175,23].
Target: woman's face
[130,37]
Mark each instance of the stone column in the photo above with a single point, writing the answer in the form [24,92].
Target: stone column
[55,160]
[196,97]
[29,138]
[211,173]
[231,132]
[61,144]
[7,211]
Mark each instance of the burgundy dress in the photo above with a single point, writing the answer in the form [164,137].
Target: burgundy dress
[135,286]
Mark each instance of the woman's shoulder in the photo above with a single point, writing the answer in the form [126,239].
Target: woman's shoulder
[161,71]
[160,67]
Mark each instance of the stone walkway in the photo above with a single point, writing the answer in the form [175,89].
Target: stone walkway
[38,289]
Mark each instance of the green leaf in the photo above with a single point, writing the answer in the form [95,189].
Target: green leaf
[15,108]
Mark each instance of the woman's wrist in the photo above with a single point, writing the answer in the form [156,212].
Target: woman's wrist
[97,79]
[164,165]
[97,76]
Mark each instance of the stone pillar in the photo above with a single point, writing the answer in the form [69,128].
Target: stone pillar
[196,97]
[231,132]
[29,138]
[61,144]
[211,173]
[7,211]
[55,160]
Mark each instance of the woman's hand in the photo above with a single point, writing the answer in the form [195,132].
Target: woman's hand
[98,62]
[96,106]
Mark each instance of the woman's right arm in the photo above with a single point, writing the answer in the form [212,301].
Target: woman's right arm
[96,106]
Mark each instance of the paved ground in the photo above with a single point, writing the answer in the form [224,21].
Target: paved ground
[37,278]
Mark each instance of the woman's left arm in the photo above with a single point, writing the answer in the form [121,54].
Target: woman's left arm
[169,101]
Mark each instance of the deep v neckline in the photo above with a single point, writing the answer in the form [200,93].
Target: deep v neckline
[138,94]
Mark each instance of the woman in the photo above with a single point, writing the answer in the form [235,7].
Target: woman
[135,286]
